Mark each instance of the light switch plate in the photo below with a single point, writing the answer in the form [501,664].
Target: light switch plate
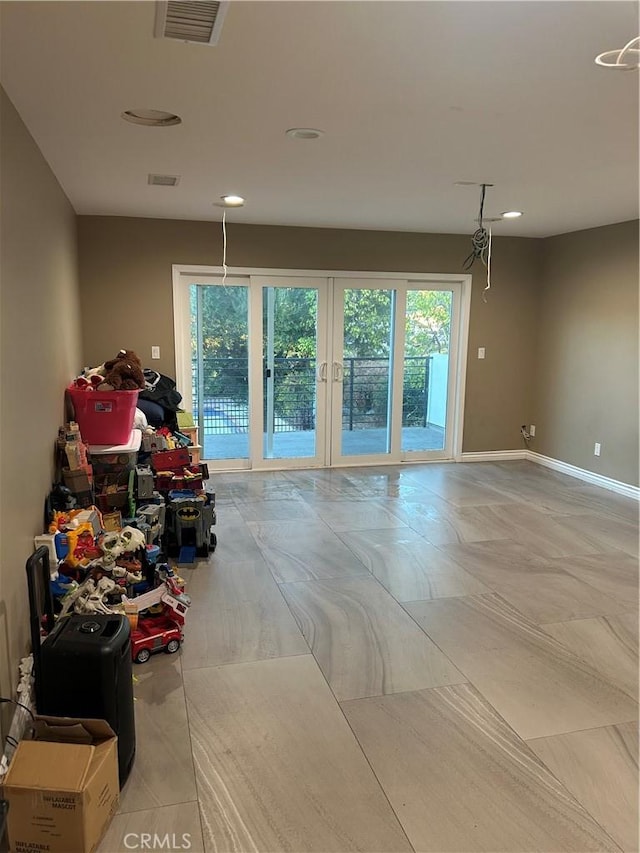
[480,352]
[155,352]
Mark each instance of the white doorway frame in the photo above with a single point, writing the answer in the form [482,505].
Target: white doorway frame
[184,275]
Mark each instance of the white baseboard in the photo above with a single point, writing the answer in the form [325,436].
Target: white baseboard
[492,456]
[582,474]
[564,467]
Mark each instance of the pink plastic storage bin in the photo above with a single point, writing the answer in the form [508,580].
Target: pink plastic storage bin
[104,417]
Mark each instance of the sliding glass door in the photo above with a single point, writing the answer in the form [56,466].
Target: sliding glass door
[219,344]
[391,371]
[426,371]
[309,370]
[362,370]
[293,370]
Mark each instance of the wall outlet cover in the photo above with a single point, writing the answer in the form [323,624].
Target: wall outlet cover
[155,352]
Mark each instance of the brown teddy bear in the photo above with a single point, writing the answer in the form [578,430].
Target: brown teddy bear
[123,373]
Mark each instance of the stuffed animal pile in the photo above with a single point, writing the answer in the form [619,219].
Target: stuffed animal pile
[122,373]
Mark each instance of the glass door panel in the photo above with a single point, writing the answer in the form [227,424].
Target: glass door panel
[426,370]
[367,353]
[289,354]
[220,369]
[362,369]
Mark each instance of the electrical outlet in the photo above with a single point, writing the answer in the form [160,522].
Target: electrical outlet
[480,352]
[155,352]
[596,449]
[532,430]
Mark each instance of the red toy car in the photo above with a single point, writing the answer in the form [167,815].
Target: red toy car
[154,634]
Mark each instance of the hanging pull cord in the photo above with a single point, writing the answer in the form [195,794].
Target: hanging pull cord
[488,287]
[224,245]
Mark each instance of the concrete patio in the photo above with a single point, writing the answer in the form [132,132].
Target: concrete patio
[301,444]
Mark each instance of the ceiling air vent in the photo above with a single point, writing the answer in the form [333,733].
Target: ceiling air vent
[197,22]
[164,180]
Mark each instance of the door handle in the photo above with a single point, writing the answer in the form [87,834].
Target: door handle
[322,371]
[338,371]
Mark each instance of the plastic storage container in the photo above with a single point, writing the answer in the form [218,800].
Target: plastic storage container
[114,458]
[104,417]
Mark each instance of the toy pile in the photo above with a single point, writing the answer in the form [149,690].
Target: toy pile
[104,572]
[112,517]
[137,483]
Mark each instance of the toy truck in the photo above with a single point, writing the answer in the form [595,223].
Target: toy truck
[163,632]
[154,634]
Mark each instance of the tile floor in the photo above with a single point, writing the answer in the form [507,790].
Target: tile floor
[431,658]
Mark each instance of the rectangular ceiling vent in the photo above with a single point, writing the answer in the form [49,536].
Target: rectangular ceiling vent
[164,180]
[196,22]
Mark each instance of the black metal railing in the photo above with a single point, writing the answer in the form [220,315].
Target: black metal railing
[224,389]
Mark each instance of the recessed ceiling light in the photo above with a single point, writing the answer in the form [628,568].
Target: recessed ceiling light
[151,118]
[304,133]
[511,214]
[230,201]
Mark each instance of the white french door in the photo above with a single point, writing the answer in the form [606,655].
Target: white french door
[285,369]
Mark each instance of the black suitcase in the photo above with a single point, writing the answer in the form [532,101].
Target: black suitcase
[83,668]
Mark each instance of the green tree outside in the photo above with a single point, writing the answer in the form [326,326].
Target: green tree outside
[367,327]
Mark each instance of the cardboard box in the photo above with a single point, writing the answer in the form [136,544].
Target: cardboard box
[62,788]
[79,480]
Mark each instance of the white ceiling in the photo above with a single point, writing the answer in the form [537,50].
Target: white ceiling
[413,96]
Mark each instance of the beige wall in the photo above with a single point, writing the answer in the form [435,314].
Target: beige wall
[587,362]
[126,293]
[39,353]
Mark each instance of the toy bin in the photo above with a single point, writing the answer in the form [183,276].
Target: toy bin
[167,460]
[115,459]
[104,417]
